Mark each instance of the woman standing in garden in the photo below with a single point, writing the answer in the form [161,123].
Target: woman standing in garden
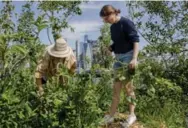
[125,46]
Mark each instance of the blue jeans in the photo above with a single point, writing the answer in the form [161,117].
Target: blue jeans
[122,59]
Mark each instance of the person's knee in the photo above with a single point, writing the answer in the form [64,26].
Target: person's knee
[129,86]
[132,94]
[129,89]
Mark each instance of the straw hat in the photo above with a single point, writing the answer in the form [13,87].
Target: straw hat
[60,49]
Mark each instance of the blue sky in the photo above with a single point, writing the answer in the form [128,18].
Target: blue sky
[88,23]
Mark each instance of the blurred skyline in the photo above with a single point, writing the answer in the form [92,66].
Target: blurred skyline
[89,22]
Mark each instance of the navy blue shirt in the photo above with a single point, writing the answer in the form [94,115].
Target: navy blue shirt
[123,35]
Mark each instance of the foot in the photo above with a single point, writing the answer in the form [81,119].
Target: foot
[107,120]
[130,120]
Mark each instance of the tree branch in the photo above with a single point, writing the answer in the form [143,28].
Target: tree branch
[49,36]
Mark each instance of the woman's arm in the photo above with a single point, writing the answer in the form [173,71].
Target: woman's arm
[39,83]
[133,37]
[135,50]
[41,71]
[73,68]
[133,62]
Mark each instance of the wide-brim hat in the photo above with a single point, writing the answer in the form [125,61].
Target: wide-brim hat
[60,49]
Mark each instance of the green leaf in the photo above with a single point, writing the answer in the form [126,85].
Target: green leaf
[57,102]
[18,49]
[21,115]
[55,123]
[28,109]
[4,96]
[122,78]
[41,27]
[34,94]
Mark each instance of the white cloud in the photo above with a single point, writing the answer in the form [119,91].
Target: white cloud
[86,26]
[91,5]
[85,6]
[81,28]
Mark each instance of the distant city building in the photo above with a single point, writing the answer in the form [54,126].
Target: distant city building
[88,50]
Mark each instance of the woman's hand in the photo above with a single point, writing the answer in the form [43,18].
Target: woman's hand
[40,91]
[133,63]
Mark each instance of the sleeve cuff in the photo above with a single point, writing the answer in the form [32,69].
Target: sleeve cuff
[134,41]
